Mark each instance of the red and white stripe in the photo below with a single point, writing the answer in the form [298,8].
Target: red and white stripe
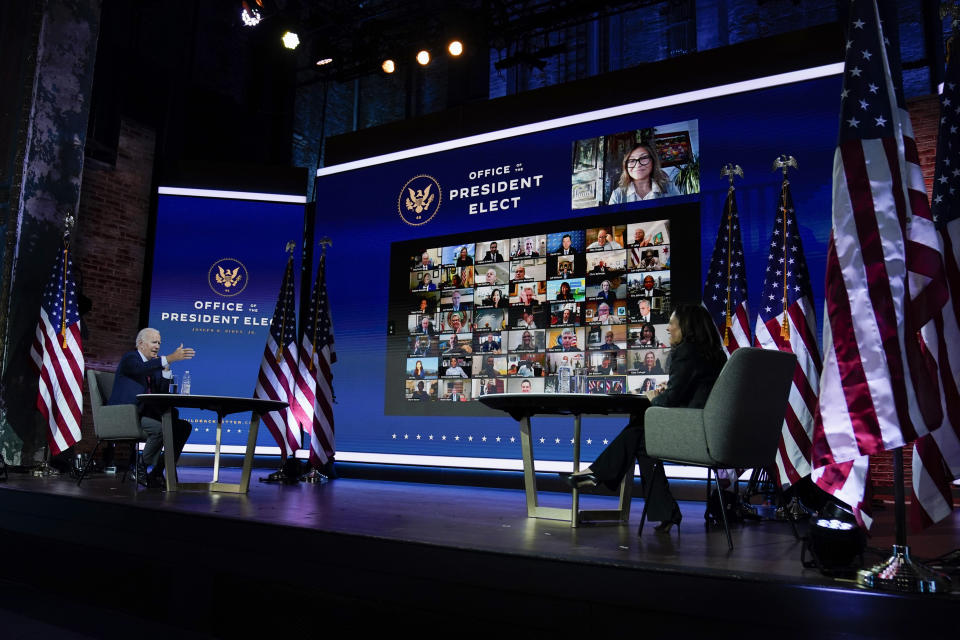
[931,256]
[276,382]
[796,437]
[849,482]
[867,400]
[304,395]
[322,442]
[60,396]
[739,334]
[891,337]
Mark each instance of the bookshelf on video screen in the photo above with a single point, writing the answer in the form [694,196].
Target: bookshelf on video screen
[579,305]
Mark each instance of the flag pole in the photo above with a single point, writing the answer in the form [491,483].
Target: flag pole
[900,572]
[289,249]
[315,476]
[784,162]
[44,469]
[729,170]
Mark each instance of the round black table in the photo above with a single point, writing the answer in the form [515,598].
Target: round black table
[222,406]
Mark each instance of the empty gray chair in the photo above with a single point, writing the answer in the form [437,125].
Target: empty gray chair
[739,427]
[118,423]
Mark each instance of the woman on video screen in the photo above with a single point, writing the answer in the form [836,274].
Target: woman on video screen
[642,177]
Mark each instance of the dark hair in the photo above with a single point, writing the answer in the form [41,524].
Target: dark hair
[657,174]
[699,330]
[648,325]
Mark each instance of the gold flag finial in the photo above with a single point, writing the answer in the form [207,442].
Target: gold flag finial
[323,243]
[784,161]
[730,170]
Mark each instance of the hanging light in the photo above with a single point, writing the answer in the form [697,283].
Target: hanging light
[250,16]
[324,61]
[388,66]
[290,40]
[455,48]
[423,57]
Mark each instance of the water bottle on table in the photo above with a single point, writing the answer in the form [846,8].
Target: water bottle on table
[185,383]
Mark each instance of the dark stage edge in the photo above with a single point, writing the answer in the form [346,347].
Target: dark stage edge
[376,554]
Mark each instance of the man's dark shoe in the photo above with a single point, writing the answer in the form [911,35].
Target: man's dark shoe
[155,481]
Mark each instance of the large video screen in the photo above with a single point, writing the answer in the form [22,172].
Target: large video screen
[416,237]
[577,306]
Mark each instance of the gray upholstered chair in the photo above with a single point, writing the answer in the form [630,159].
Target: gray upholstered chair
[118,423]
[739,427]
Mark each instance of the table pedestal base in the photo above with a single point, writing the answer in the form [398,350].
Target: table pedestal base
[574,515]
[170,464]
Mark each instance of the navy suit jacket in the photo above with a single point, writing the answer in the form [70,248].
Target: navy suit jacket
[132,378]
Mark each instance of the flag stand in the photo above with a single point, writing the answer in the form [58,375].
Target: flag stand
[900,572]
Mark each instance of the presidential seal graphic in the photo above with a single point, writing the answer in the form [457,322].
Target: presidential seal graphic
[419,200]
[227,277]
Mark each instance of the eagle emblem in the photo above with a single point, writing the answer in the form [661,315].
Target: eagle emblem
[228,278]
[420,199]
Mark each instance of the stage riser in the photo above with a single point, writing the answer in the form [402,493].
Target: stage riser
[210,573]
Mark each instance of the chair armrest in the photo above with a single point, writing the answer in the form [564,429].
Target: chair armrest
[676,435]
[117,421]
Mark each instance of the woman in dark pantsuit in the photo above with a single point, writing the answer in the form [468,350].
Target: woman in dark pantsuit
[695,362]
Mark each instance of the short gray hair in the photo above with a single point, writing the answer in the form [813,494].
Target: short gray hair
[143,333]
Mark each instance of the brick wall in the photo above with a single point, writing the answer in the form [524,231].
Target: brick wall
[109,250]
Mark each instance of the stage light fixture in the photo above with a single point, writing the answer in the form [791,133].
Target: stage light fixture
[250,16]
[455,48]
[323,61]
[423,57]
[834,541]
[290,40]
[388,66]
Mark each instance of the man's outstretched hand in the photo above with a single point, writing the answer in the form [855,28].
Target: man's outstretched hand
[181,353]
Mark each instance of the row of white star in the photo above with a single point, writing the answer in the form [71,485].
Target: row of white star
[458,438]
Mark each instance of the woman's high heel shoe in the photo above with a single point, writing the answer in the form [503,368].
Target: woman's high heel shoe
[666,525]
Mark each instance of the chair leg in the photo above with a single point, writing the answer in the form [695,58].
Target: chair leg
[723,511]
[83,472]
[706,503]
[646,498]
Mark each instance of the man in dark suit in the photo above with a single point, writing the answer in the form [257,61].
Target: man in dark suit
[145,371]
[646,314]
[492,254]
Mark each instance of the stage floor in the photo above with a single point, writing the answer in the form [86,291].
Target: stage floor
[486,521]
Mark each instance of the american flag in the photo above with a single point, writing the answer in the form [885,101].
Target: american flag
[725,290]
[787,322]
[314,395]
[276,378]
[57,353]
[885,289]
[936,456]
